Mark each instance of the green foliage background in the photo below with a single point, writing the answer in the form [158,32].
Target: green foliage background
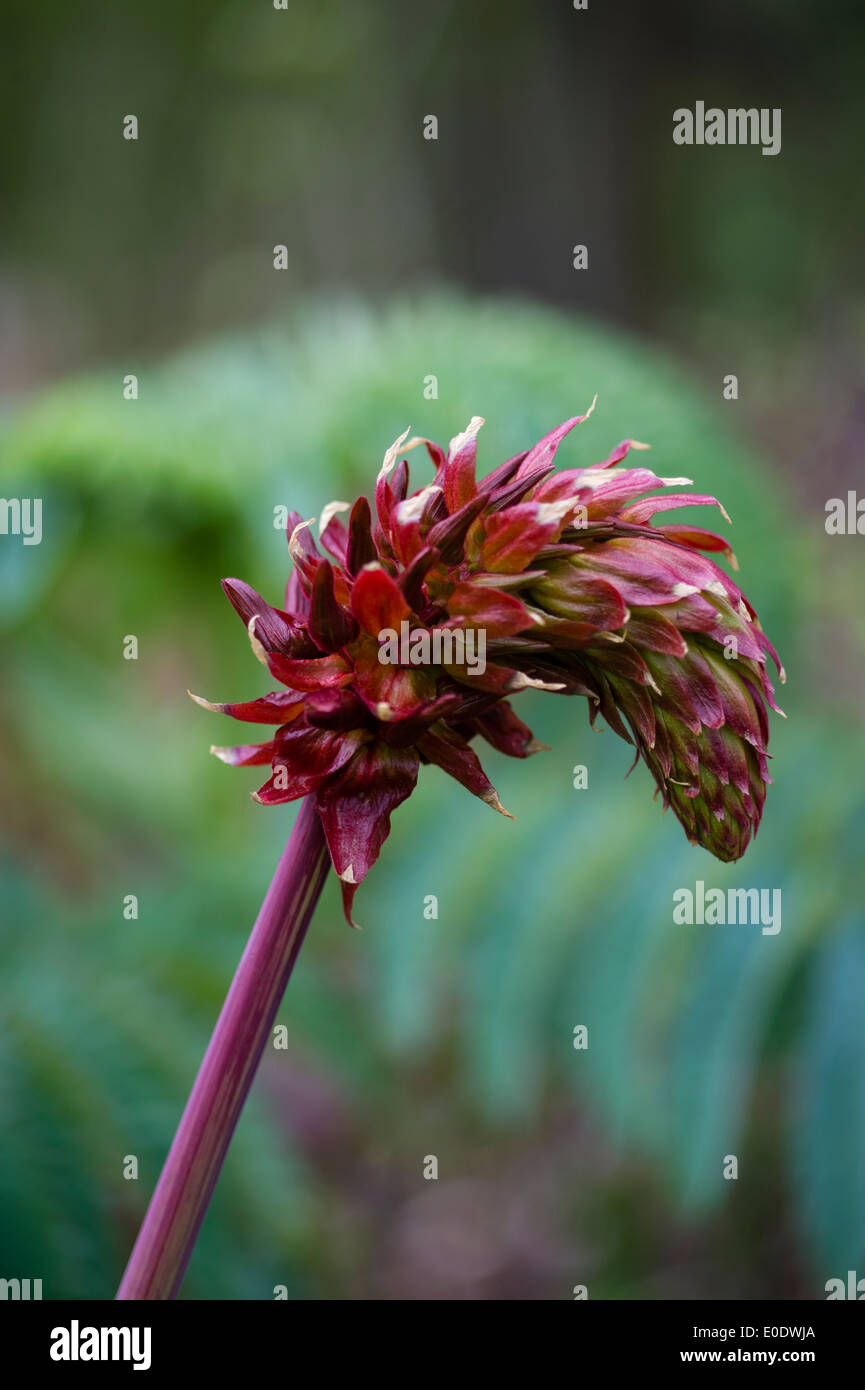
[451,1037]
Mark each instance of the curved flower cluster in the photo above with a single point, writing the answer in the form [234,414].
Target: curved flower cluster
[575,590]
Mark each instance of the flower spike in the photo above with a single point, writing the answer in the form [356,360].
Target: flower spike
[564,580]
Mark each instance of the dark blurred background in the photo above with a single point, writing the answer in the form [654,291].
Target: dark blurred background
[405,258]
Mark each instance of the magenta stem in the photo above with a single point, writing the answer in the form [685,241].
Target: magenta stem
[169,1231]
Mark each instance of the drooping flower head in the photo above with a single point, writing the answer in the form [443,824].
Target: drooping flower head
[572,588]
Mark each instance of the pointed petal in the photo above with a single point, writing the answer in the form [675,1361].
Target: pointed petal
[361,547]
[513,537]
[497,680]
[505,731]
[393,692]
[330,626]
[502,474]
[449,534]
[311,673]
[244,754]
[280,707]
[603,493]
[637,704]
[304,552]
[377,601]
[649,628]
[275,630]
[442,746]
[303,758]
[496,613]
[542,454]
[620,451]
[569,592]
[641,512]
[459,471]
[389,491]
[332,532]
[699,539]
[355,809]
[412,578]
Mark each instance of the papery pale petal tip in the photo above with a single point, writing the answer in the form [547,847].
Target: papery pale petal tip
[412,508]
[257,648]
[390,457]
[519,681]
[347,877]
[535,746]
[294,548]
[471,429]
[206,704]
[330,511]
[554,511]
[491,799]
[220,752]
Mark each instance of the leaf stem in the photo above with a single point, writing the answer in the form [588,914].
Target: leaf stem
[168,1233]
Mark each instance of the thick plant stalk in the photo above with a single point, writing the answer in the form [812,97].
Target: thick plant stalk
[170,1228]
